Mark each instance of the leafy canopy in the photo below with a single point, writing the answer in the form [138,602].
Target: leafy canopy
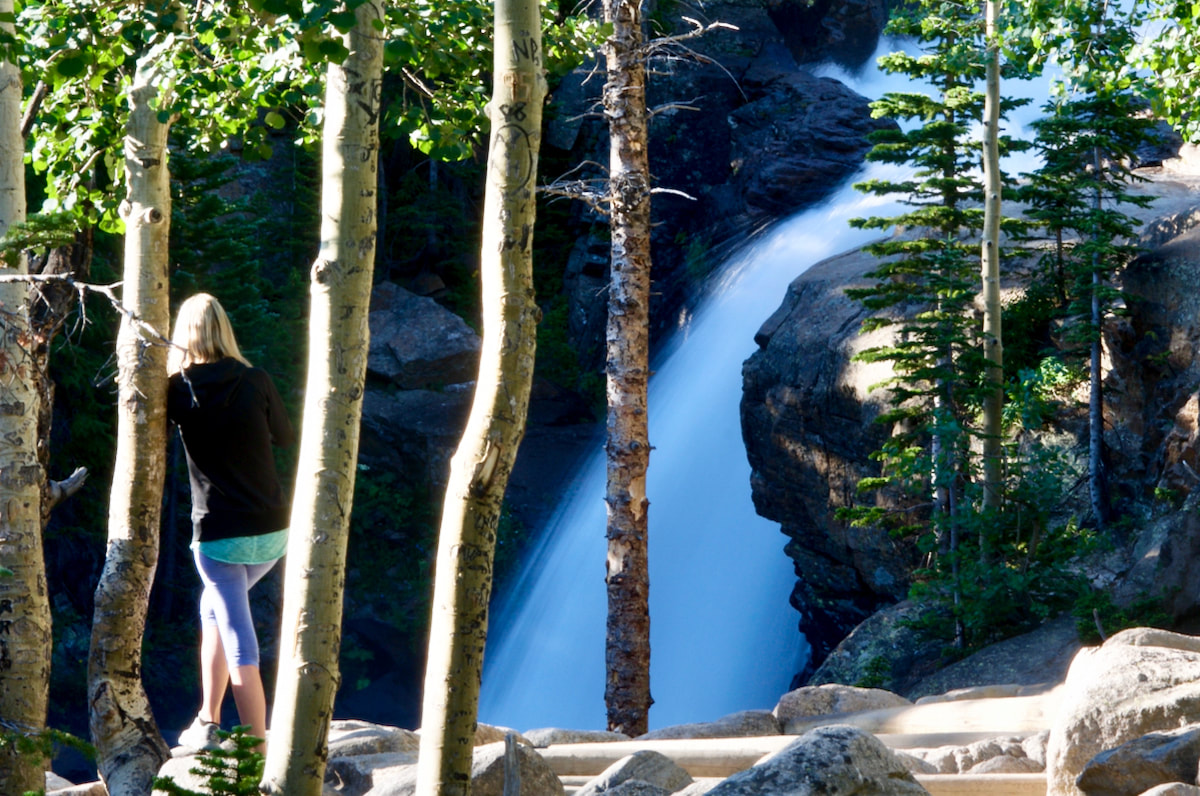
[235,75]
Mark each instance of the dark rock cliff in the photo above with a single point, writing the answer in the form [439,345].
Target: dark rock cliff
[739,129]
[807,419]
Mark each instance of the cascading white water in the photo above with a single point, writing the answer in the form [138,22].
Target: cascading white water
[723,637]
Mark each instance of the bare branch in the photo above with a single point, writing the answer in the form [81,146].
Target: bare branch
[672,47]
[594,111]
[671,106]
[35,104]
[149,333]
[580,167]
[698,29]
[673,192]
[591,190]
[416,82]
[60,490]
[584,191]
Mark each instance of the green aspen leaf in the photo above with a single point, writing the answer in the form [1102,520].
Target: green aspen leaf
[290,7]
[343,20]
[333,50]
[5,573]
[398,51]
[163,117]
[311,49]
[275,120]
[71,66]
[112,224]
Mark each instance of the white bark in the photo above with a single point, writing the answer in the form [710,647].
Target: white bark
[338,336]
[129,747]
[993,350]
[24,605]
[480,468]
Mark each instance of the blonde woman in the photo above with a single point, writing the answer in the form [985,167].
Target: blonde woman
[229,414]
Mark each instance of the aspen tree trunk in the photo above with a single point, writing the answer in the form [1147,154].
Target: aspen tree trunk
[627,642]
[129,747]
[337,365]
[1097,477]
[993,350]
[24,605]
[480,468]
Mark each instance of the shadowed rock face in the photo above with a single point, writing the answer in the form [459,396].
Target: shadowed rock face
[844,31]
[738,140]
[807,419]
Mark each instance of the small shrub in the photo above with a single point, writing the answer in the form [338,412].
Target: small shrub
[227,772]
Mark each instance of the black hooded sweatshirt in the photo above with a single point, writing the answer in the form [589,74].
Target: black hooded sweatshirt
[229,417]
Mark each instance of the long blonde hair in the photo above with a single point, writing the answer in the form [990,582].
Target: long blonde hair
[202,334]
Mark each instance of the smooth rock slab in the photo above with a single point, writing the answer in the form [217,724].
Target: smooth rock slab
[545,736]
[487,775]
[348,737]
[178,769]
[647,766]
[1004,764]
[830,699]
[744,724]
[1173,789]
[359,774]
[636,787]
[87,789]
[828,761]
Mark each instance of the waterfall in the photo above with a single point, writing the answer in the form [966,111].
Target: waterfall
[723,637]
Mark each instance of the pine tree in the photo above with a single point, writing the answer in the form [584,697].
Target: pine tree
[926,278]
[945,364]
[1087,140]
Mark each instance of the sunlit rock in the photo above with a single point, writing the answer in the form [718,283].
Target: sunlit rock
[647,766]
[1140,681]
[1157,758]
[832,698]
[546,736]
[735,725]
[835,759]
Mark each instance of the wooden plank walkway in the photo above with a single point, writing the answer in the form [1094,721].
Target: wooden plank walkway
[936,784]
[917,726]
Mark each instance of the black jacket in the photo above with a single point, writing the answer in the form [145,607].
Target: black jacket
[229,415]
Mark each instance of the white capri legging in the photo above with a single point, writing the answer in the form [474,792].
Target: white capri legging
[225,602]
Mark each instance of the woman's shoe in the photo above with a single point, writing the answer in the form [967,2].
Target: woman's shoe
[201,735]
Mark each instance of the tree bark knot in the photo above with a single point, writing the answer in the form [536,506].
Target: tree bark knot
[323,271]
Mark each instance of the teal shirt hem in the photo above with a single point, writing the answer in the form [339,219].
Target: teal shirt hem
[246,549]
